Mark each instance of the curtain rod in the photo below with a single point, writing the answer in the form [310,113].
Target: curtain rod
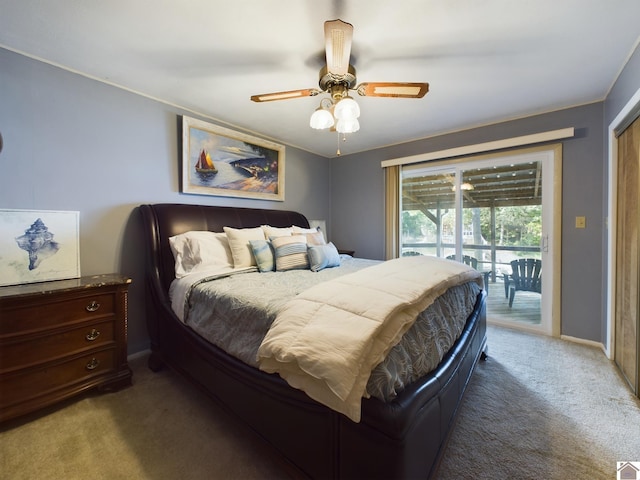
[483,147]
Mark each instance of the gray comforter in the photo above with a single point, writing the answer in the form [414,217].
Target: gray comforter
[235,312]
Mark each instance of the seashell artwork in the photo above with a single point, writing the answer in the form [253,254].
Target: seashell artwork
[38,246]
[38,242]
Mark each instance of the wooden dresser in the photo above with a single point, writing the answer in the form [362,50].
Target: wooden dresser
[61,338]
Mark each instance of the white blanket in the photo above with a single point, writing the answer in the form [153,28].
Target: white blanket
[327,340]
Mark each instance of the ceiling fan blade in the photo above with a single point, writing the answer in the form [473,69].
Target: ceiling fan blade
[393,89]
[269,97]
[338,36]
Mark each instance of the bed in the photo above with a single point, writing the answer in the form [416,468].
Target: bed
[398,435]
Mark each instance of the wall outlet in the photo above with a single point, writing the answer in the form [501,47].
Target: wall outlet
[581,222]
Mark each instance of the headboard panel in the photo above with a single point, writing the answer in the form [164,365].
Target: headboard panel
[163,220]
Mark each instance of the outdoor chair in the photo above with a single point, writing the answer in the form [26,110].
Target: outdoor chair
[525,276]
[473,263]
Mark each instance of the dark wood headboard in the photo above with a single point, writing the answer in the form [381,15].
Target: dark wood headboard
[163,220]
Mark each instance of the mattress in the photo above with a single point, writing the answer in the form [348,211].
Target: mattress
[233,309]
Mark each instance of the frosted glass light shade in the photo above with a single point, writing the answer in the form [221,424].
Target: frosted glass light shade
[321,119]
[348,126]
[346,109]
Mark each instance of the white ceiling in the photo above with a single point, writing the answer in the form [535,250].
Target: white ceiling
[485,60]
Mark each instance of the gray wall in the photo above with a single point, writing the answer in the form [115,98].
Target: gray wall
[72,143]
[582,195]
[626,85]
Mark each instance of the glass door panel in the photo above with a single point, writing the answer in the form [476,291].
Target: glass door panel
[502,212]
[428,225]
[486,213]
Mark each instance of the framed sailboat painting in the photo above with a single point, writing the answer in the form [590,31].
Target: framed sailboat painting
[222,162]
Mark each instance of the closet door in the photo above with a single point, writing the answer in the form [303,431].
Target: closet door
[627,320]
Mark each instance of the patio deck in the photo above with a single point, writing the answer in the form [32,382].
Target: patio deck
[525,309]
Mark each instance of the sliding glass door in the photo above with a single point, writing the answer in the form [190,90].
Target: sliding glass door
[488,212]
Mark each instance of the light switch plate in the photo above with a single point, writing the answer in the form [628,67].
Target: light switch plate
[581,222]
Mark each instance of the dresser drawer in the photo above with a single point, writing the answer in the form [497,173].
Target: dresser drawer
[27,350]
[27,384]
[42,315]
[61,338]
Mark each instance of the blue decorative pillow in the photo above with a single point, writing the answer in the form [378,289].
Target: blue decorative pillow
[263,253]
[323,256]
[290,252]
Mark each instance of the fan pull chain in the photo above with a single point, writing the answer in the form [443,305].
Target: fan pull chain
[344,139]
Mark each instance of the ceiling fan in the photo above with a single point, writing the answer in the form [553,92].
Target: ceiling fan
[337,77]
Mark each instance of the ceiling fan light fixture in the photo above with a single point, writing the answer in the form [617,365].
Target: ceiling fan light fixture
[346,109]
[321,119]
[347,125]
[340,112]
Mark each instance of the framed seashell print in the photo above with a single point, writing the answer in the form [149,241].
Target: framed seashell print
[38,246]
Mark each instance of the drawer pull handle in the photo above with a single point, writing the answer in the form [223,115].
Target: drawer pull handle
[93,306]
[93,364]
[92,335]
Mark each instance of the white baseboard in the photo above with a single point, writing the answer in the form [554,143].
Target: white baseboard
[582,341]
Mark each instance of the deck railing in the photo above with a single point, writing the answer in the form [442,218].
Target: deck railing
[445,249]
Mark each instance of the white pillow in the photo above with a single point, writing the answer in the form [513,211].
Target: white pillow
[196,250]
[270,231]
[297,229]
[239,243]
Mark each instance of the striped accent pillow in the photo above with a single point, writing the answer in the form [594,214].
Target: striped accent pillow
[290,252]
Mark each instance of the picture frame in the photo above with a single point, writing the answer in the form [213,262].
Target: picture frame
[222,162]
[38,246]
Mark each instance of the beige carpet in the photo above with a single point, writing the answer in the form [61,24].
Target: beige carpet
[538,408]
[543,408]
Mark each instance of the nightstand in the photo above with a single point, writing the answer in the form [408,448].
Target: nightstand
[61,338]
